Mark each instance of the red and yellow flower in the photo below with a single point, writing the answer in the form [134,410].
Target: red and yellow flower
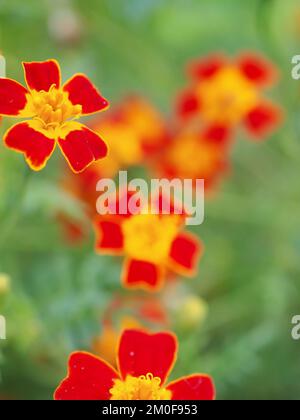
[197,155]
[51,111]
[229,92]
[144,364]
[153,246]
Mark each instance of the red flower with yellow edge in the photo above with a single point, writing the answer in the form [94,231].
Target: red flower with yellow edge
[144,364]
[153,246]
[51,111]
[197,155]
[229,92]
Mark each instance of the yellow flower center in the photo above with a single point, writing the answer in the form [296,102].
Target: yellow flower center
[141,388]
[50,110]
[196,156]
[149,237]
[228,96]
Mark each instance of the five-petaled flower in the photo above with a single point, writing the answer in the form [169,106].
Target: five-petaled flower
[153,245]
[229,92]
[145,362]
[50,111]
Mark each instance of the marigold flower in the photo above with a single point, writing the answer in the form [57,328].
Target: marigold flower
[51,111]
[229,92]
[145,361]
[152,244]
[196,155]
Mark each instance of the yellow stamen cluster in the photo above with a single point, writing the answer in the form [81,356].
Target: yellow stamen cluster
[51,109]
[227,97]
[142,388]
[148,237]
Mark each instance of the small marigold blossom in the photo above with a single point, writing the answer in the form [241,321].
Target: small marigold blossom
[51,111]
[145,362]
[153,246]
[196,155]
[230,92]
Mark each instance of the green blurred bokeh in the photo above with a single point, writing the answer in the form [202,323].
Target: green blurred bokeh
[250,275]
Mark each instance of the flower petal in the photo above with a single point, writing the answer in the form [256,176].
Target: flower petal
[257,69]
[185,253]
[141,353]
[36,147]
[89,378]
[194,387]
[13,97]
[41,75]
[219,134]
[83,92]
[109,237]
[207,67]
[142,275]
[263,119]
[81,146]
[188,103]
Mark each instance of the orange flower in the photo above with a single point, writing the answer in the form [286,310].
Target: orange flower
[51,111]
[152,245]
[144,364]
[228,93]
[196,155]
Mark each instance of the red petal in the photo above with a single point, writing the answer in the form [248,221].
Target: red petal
[89,378]
[263,119]
[36,147]
[13,97]
[142,274]
[42,75]
[219,134]
[141,353]
[206,67]
[109,237]
[185,253]
[188,104]
[83,92]
[257,69]
[194,387]
[81,147]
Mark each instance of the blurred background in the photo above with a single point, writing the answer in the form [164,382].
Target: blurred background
[237,312]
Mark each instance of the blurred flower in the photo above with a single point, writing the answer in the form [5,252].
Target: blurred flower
[228,93]
[152,244]
[196,155]
[145,362]
[4,283]
[192,312]
[134,131]
[51,110]
[65,25]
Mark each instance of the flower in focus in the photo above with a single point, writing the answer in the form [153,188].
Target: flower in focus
[227,92]
[51,111]
[196,155]
[153,245]
[145,362]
